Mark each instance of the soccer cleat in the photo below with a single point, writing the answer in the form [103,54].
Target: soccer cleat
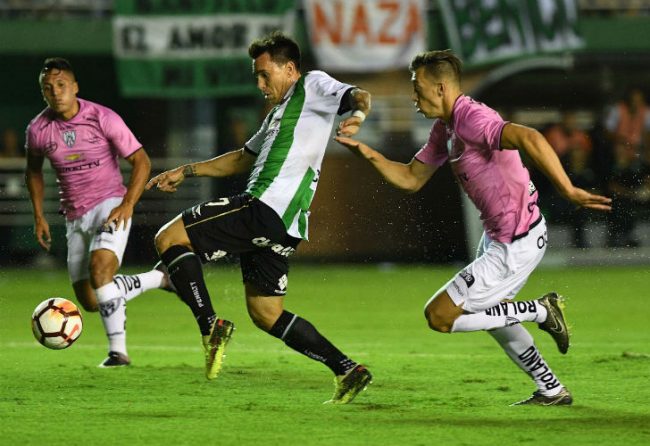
[167,284]
[215,346]
[115,359]
[349,385]
[554,323]
[563,398]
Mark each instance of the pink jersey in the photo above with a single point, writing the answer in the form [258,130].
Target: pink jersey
[495,180]
[84,153]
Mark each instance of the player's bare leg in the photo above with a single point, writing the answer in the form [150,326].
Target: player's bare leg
[442,314]
[268,313]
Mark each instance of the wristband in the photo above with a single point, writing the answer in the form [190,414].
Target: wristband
[359,114]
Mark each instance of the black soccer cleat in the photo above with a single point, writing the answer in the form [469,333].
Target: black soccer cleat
[555,324]
[563,398]
[115,359]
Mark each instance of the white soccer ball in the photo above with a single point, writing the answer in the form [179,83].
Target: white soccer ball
[56,323]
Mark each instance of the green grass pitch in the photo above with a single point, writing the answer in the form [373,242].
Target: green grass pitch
[428,388]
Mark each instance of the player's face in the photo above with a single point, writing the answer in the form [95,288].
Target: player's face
[60,90]
[273,80]
[427,95]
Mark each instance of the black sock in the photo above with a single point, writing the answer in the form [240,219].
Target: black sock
[186,274]
[303,337]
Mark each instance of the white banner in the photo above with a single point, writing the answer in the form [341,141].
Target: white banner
[191,37]
[366,35]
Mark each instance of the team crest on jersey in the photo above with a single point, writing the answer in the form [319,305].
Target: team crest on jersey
[455,147]
[70,136]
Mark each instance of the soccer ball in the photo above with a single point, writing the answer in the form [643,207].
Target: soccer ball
[56,323]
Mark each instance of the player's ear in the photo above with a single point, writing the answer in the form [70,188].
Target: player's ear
[76,88]
[291,68]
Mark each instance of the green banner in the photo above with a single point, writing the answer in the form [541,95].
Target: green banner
[488,31]
[192,48]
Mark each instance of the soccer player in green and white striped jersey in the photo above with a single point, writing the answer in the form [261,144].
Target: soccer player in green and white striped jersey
[265,224]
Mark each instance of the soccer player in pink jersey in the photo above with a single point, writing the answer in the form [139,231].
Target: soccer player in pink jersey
[481,149]
[83,141]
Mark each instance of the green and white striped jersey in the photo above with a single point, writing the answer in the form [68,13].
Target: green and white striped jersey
[290,147]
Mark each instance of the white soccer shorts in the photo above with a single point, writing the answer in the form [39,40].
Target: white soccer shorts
[84,236]
[499,271]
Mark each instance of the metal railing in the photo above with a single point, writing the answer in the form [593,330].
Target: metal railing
[154,208]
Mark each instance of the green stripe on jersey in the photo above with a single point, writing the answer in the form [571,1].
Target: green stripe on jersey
[282,142]
[300,203]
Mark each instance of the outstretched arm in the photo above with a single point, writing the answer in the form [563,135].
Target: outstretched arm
[407,177]
[532,142]
[360,106]
[231,163]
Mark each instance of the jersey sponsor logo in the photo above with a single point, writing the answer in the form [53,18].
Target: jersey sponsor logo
[73,157]
[282,283]
[467,277]
[85,166]
[216,255]
[70,137]
[263,242]
[455,147]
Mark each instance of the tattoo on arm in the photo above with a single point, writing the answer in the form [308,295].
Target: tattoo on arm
[189,171]
[360,100]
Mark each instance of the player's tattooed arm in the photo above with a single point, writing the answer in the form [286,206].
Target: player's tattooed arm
[360,105]
[360,101]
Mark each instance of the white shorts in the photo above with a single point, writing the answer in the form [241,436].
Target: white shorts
[499,272]
[85,235]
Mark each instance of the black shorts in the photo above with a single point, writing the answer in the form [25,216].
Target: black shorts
[243,225]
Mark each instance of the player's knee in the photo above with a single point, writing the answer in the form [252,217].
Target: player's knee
[437,322]
[101,272]
[161,241]
[88,302]
[90,307]
[264,317]
[263,321]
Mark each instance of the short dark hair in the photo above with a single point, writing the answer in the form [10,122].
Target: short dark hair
[56,63]
[280,47]
[440,63]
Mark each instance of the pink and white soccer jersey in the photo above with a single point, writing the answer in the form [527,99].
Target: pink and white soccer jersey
[495,180]
[84,153]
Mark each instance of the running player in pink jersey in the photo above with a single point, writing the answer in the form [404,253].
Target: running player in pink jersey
[83,141]
[481,149]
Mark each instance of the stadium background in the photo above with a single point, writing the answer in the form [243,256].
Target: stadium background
[356,217]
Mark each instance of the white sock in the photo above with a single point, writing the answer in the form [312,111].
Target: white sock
[112,308]
[132,286]
[502,315]
[520,347]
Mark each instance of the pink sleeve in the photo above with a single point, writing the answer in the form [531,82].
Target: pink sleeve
[434,151]
[119,135]
[481,126]
[30,140]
